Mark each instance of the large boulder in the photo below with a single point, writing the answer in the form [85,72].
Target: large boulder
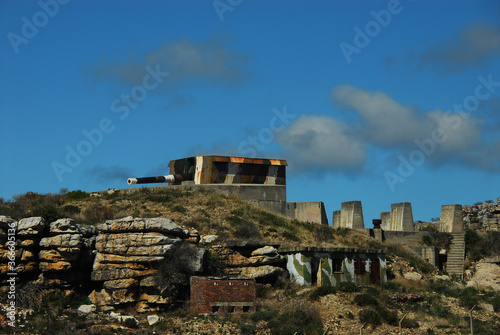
[31,226]
[130,224]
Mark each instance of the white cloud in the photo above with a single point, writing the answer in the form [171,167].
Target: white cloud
[321,142]
[384,121]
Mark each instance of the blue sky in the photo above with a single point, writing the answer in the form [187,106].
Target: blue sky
[378,101]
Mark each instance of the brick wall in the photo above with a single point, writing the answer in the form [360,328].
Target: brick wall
[214,294]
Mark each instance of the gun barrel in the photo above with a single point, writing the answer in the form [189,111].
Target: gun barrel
[149,180]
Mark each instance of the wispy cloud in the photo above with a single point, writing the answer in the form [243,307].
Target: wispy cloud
[185,60]
[474,45]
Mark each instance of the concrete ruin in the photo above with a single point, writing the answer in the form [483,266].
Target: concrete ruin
[259,181]
[351,215]
[401,217]
[451,218]
[310,266]
[385,218]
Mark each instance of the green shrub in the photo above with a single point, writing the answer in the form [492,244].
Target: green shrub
[298,317]
[495,301]
[468,297]
[323,233]
[263,315]
[347,287]
[389,317]
[76,195]
[179,208]
[390,286]
[365,300]
[410,323]
[322,291]
[247,329]
[370,316]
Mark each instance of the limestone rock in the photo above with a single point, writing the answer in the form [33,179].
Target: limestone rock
[119,273]
[153,298]
[129,224]
[412,275]
[57,266]
[120,283]
[207,239]
[86,309]
[69,226]
[442,277]
[135,243]
[53,255]
[100,298]
[265,251]
[153,319]
[487,307]
[111,258]
[148,282]
[262,272]
[63,241]
[31,226]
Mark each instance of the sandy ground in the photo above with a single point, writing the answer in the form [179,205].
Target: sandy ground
[487,275]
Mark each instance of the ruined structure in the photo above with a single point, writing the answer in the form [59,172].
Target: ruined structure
[223,295]
[310,266]
[259,181]
[451,218]
[401,217]
[351,215]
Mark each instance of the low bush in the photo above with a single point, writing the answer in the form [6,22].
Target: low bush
[370,316]
[365,300]
[347,287]
[322,291]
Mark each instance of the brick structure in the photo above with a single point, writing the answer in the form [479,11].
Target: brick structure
[222,294]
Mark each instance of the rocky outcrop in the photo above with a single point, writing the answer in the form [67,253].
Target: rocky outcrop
[264,263]
[128,254]
[137,263]
[19,246]
[482,216]
[66,255]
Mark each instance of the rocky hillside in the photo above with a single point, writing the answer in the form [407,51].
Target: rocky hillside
[482,216]
[120,263]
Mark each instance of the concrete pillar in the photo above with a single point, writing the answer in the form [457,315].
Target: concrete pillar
[351,215]
[401,217]
[336,219]
[385,217]
[452,218]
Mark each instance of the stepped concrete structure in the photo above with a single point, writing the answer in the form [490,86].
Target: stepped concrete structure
[451,218]
[401,217]
[351,215]
[385,218]
[456,255]
[336,219]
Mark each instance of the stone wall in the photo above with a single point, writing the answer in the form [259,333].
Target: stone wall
[482,217]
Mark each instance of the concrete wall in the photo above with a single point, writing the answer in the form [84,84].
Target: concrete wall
[385,217]
[330,266]
[351,215]
[311,212]
[452,218]
[401,217]
[429,254]
[336,219]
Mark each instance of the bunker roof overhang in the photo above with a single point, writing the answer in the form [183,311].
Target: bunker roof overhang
[241,160]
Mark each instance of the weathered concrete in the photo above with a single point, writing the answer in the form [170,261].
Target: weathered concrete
[452,218]
[401,217]
[311,212]
[336,219]
[351,215]
[385,217]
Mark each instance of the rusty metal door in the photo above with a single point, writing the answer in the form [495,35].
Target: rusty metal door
[375,271]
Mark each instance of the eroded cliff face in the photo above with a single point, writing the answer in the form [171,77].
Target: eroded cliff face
[482,217]
[121,263]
